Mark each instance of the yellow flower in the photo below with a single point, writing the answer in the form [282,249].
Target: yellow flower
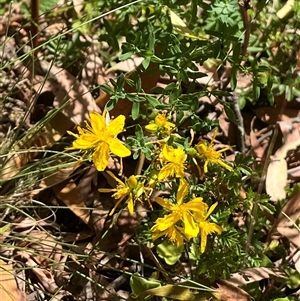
[160,124]
[206,153]
[175,158]
[206,228]
[180,222]
[132,189]
[100,137]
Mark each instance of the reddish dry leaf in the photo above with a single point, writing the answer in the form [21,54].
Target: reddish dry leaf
[70,195]
[46,279]
[57,177]
[271,115]
[8,286]
[44,247]
[66,87]
[256,147]
[229,292]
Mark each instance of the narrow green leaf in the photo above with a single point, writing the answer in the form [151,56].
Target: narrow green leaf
[152,100]
[126,56]
[230,114]
[135,112]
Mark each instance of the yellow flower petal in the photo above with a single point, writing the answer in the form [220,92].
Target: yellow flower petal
[169,154]
[167,171]
[182,190]
[207,228]
[165,204]
[160,120]
[132,182]
[196,205]
[97,123]
[152,127]
[190,228]
[115,178]
[157,234]
[116,126]
[175,236]
[167,221]
[117,148]
[130,204]
[121,192]
[211,209]
[101,156]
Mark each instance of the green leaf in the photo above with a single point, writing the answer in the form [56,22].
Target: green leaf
[242,102]
[146,62]
[293,281]
[171,291]
[139,284]
[126,56]
[107,89]
[135,112]
[230,114]
[46,5]
[169,252]
[152,100]
[139,132]
[4,229]
[120,82]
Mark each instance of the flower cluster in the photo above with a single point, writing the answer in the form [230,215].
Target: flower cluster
[186,216]
[185,220]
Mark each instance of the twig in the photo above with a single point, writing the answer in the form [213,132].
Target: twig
[35,12]
[240,126]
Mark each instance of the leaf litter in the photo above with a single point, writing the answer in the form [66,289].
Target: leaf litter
[65,238]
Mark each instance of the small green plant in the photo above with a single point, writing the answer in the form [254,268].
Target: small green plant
[203,216]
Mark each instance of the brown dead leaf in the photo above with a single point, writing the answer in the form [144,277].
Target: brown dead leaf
[42,138]
[66,87]
[46,279]
[250,275]
[102,288]
[128,65]
[229,292]
[291,233]
[78,7]
[276,177]
[285,225]
[296,258]
[8,285]
[256,146]
[280,101]
[122,230]
[44,246]
[271,115]
[57,177]
[70,195]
